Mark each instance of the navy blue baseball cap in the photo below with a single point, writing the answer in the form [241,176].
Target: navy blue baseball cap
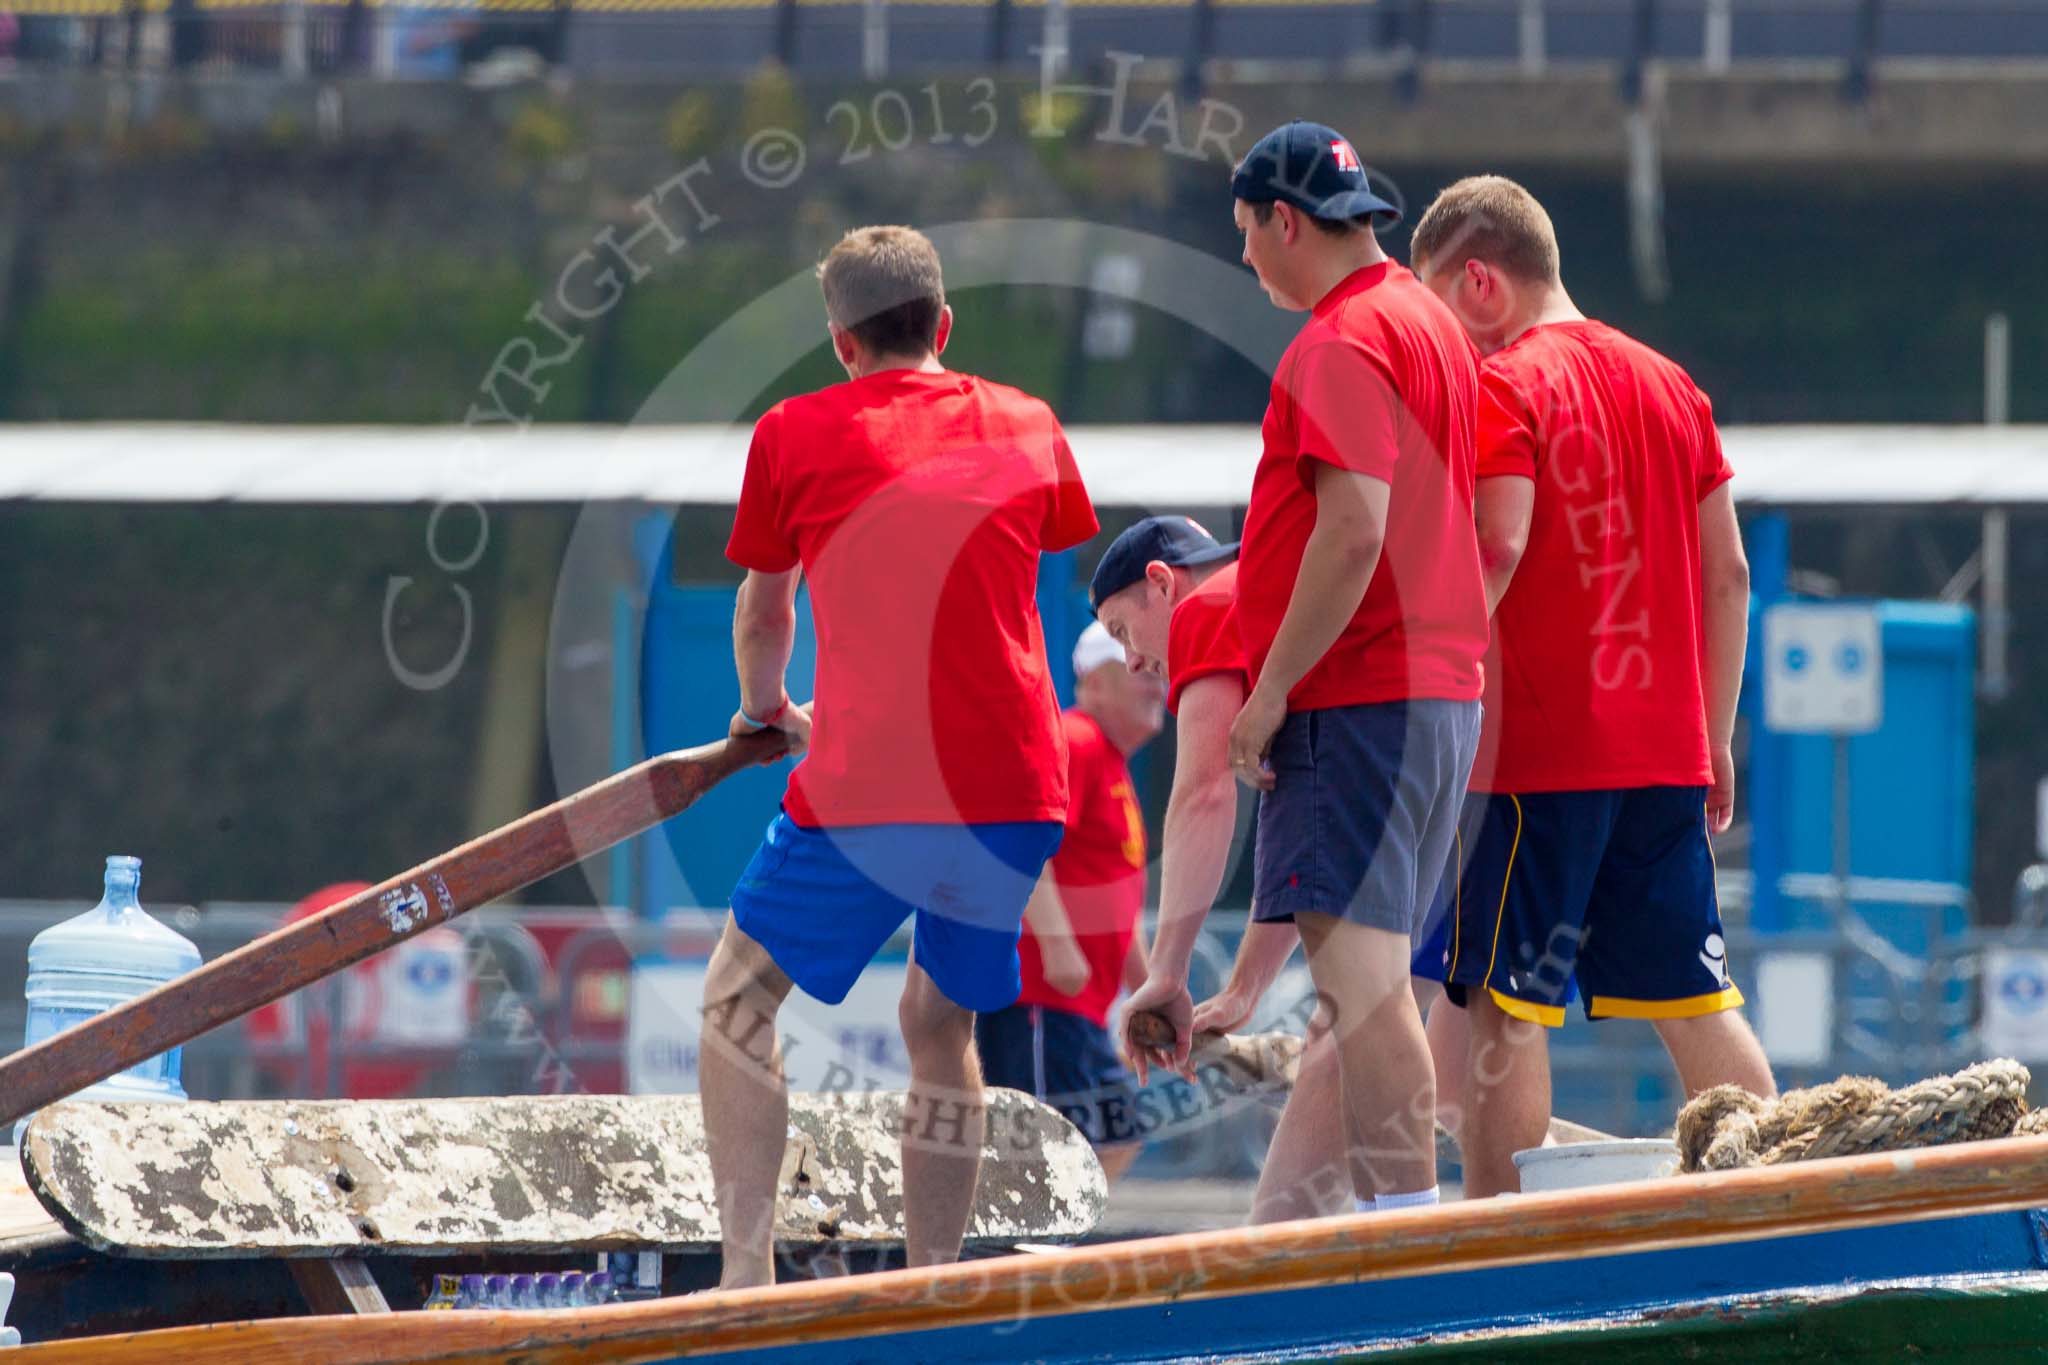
[1314,168]
[1179,541]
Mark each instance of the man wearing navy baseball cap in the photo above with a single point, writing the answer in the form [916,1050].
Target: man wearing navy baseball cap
[1362,611]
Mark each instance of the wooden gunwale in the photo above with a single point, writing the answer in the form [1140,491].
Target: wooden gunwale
[1733,1206]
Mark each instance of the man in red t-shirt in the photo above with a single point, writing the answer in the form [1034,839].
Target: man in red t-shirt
[1361,608]
[1168,591]
[1081,944]
[933,786]
[1612,551]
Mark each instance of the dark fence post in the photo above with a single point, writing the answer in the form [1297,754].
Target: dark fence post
[1642,50]
[785,33]
[1862,57]
[558,34]
[1421,19]
[998,32]
[1201,42]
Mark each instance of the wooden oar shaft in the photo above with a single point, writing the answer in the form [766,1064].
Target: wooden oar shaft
[436,891]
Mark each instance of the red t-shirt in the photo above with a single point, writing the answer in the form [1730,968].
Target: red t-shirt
[1380,381]
[1595,677]
[918,505]
[1201,637]
[1099,870]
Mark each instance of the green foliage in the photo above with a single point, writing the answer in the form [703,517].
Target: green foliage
[540,132]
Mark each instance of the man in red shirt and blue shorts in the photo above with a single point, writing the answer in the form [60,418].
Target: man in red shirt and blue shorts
[1611,548]
[1081,942]
[1360,606]
[917,502]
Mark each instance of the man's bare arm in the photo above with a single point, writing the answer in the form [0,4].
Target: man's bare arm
[1201,816]
[1501,512]
[1059,953]
[763,634]
[1724,578]
[1337,565]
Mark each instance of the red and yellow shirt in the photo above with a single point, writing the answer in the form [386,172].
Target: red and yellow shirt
[1099,870]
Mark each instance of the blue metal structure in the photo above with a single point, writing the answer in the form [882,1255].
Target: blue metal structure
[1912,784]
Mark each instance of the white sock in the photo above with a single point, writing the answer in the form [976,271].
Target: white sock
[1413,1200]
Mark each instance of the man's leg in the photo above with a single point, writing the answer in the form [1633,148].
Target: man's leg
[1658,944]
[1450,1045]
[1116,1160]
[1389,1087]
[1306,1174]
[944,1121]
[1717,1049]
[1507,1095]
[745,1102]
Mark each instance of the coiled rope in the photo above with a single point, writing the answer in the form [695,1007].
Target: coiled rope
[1727,1127]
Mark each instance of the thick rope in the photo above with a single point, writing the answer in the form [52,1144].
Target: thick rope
[1727,1127]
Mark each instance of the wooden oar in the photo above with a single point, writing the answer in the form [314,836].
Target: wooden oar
[301,953]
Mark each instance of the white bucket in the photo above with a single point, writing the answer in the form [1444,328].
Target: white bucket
[1574,1165]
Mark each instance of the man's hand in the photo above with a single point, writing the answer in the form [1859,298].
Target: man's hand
[1721,796]
[1251,737]
[793,720]
[1227,1011]
[1170,1000]
[1064,964]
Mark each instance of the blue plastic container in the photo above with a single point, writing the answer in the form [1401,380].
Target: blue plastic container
[103,958]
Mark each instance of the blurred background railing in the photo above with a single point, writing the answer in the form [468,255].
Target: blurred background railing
[500,40]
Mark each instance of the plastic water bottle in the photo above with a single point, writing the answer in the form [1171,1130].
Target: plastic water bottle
[521,1294]
[103,958]
[447,1292]
[547,1290]
[470,1293]
[597,1289]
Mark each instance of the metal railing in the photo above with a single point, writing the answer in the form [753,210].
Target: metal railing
[510,40]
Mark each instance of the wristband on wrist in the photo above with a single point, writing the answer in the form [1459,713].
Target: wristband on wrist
[765,721]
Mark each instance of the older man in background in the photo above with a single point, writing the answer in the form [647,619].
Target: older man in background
[1081,942]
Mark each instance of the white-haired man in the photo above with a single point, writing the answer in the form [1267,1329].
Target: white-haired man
[1081,943]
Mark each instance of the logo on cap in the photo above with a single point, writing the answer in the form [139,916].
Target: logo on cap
[1347,160]
[1198,526]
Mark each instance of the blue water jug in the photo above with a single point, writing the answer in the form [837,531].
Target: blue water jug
[102,958]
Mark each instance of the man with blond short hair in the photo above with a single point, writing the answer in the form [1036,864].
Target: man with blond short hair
[1621,601]
[917,501]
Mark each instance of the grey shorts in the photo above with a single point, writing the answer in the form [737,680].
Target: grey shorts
[1363,811]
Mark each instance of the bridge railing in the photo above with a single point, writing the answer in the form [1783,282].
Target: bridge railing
[510,40]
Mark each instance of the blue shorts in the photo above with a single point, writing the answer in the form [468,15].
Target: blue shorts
[1363,811]
[1066,1060]
[1613,889]
[824,901]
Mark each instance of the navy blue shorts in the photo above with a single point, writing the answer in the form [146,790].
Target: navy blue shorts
[1363,811]
[1066,1060]
[824,901]
[1613,889]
